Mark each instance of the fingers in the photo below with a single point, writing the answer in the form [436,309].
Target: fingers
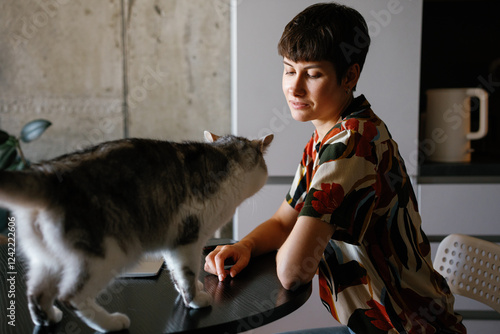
[214,262]
[239,266]
[219,260]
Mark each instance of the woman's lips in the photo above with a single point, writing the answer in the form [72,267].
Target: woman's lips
[299,105]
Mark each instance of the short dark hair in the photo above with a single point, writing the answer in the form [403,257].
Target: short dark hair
[327,31]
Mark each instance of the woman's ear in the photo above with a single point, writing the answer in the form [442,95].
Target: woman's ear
[351,77]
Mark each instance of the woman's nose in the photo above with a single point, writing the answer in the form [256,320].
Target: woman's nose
[296,87]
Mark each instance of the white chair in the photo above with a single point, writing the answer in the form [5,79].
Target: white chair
[471,267]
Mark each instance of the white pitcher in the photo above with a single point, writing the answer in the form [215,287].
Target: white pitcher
[447,131]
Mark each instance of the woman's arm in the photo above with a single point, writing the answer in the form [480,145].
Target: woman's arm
[266,237]
[301,243]
[298,258]
[270,235]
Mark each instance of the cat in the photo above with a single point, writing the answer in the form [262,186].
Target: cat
[85,217]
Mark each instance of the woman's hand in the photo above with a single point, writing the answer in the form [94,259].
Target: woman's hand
[267,237]
[239,253]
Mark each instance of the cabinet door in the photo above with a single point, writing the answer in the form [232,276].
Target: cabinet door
[257,209]
[390,78]
[460,208]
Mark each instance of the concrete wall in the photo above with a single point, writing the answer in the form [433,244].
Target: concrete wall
[101,70]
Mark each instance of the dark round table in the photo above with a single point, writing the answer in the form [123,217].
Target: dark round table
[253,298]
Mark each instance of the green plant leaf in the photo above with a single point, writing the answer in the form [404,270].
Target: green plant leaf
[4,136]
[34,129]
[17,164]
[8,152]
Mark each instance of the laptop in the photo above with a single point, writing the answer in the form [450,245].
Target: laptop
[148,266]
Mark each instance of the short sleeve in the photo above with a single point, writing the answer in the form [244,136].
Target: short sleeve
[342,190]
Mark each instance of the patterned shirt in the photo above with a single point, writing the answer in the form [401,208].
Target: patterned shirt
[376,274]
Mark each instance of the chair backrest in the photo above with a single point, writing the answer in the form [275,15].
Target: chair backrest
[471,267]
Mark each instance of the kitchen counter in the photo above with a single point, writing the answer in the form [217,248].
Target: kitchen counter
[473,172]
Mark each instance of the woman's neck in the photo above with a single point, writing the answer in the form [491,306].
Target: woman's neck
[324,126]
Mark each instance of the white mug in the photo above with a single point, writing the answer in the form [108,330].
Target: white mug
[448,118]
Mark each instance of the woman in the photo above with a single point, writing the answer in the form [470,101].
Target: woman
[351,213]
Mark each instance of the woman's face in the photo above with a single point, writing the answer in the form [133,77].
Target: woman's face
[313,93]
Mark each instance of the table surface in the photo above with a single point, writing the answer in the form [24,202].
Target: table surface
[253,298]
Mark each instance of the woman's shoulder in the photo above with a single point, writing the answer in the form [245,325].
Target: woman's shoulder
[361,133]
[362,123]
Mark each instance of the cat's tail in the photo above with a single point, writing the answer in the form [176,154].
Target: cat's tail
[22,189]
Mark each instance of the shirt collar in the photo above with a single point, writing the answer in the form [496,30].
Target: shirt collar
[357,104]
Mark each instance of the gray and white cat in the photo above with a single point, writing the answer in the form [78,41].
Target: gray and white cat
[85,217]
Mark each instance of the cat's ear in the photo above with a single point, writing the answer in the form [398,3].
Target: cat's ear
[210,137]
[265,142]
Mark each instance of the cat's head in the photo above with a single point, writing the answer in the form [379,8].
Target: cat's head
[261,144]
[247,154]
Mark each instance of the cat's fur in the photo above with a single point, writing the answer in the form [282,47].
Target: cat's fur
[85,217]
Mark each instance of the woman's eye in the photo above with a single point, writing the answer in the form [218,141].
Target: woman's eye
[289,72]
[313,75]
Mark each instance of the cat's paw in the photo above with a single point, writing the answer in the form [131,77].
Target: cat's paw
[56,316]
[52,317]
[201,300]
[117,322]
